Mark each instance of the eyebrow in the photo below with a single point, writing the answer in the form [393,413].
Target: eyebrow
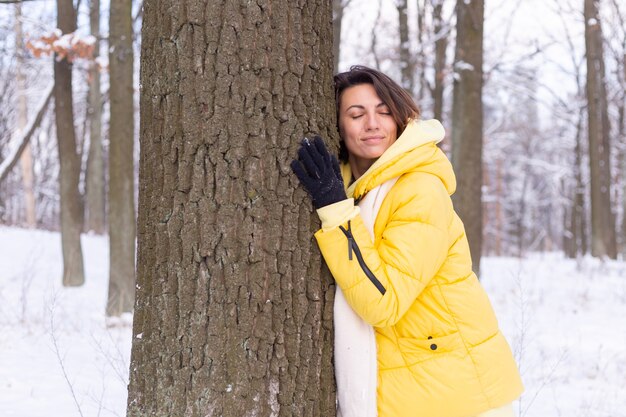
[358,106]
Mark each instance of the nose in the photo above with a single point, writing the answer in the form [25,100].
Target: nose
[371,122]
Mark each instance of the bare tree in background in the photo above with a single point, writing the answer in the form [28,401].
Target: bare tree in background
[94,178]
[26,158]
[71,204]
[406,59]
[121,163]
[618,11]
[467,122]
[338,10]
[603,241]
[234,309]
[441,31]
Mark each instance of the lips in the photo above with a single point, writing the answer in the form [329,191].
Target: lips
[373,139]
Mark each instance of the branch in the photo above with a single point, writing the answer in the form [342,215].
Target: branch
[7,165]
[16,1]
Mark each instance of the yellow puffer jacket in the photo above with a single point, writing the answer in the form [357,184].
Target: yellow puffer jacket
[440,352]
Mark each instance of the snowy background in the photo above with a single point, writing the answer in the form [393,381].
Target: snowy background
[565,320]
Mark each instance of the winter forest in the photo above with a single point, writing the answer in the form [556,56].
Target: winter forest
[157,254]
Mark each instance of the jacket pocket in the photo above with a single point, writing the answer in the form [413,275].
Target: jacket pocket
[418,350]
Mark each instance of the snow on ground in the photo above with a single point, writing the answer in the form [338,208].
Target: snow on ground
[565,320]
[47,330]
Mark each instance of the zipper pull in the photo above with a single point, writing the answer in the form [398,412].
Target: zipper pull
[350,241]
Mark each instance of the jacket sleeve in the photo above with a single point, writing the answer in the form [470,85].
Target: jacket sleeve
[381,281]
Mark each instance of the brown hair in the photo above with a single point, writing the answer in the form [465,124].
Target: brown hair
[396,98]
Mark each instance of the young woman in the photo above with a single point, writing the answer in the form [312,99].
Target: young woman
[400,257]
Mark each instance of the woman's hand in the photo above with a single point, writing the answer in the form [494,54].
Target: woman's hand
[318,171]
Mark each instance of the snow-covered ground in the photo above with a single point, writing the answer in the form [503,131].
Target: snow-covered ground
[565,320]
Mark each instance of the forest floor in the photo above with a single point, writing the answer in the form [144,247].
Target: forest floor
[59,356]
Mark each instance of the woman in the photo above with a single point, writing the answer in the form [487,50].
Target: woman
[400,257]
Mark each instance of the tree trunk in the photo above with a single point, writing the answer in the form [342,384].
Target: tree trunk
[406,61]
[95,187]
[467,122]
[420,61]
[374,44]
[234,308]
[121,162]
[26,158]
[71,205]
[441,45]
[579,216]
[338,7]
[603,241]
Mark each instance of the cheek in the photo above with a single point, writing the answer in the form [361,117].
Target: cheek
[346,130]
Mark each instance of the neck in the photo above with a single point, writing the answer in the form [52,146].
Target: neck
[359,166]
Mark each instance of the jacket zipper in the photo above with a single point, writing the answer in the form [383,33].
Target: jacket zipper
[353,247]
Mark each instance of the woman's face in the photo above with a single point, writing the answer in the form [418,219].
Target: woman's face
[365,124]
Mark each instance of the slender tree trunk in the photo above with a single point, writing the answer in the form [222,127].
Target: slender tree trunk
[499,226]
[26,158]
[95,186]
[374,44]
[121,162]
[406,61]
[234,308]
[622,136]
[603,241]
[71,205]
[338,7]
[441,45]
[467,122]
[620,62]
[420,61]
[580,224]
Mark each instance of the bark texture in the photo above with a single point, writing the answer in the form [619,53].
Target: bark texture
[95,188]
[603,240]
[121,162]
[71,204]
[234,307]
[467,122]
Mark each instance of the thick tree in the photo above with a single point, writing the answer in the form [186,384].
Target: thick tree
[603,240]
[121,161]
[467,121]
[71,204]
[233,308]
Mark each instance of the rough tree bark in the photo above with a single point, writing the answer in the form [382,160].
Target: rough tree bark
[94,187]
[467,122]
[26,158]
[121,162]
[603,239]
[71,204]
[233,313]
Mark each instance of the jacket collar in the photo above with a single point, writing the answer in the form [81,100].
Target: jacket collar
[415,149]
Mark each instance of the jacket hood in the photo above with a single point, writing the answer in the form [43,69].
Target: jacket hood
[414,151]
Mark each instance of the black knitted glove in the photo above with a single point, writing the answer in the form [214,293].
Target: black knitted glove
[318,171]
